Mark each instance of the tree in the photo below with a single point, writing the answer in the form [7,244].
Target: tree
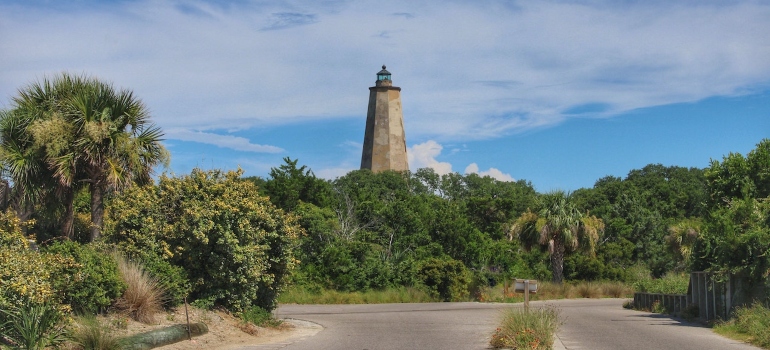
[289,185]
[736,234]
[79,130]
[560,227]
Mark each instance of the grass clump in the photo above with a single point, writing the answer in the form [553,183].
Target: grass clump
[144,294]
[749,324]
[89,334]
[588,290]
[521,329]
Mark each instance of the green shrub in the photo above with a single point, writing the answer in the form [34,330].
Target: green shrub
[671,283]
[520,329]
[445,279]
[260,317]
[27,276]
[235,246]
[98,281]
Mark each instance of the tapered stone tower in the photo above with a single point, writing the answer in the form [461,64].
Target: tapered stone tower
[384,140]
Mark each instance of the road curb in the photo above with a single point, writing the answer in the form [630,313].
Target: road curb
[557,344]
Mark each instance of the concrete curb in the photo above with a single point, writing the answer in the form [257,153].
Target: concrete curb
[557,344]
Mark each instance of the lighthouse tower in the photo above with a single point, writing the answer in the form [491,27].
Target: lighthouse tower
[384,140]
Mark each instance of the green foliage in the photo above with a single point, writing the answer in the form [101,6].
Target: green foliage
[753,321]
[671,283]
[260,317]
[736,234]
[445,279]
[235,246]
[97,283]
[290,185]
[27,276]
[32,326]
[522,329]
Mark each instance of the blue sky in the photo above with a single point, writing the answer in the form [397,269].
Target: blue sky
[559,93]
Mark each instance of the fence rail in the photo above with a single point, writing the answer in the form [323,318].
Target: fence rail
[673,303]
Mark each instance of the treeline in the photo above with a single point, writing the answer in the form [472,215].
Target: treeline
[367,230]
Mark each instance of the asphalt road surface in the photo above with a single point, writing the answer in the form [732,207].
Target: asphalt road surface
[599,324]
[593,324]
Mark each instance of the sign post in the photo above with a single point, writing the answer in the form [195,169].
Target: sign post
[526,287]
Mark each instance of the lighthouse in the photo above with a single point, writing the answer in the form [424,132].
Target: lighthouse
[384,139]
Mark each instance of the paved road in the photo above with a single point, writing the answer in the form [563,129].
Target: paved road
[599,324]
[445,326]
[594,324]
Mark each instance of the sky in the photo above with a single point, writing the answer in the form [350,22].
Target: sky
[557,93]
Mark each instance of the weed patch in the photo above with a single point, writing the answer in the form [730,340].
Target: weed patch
[750,324]
[521,329]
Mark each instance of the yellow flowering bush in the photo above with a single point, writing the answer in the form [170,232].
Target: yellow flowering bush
[27,276]
[234,245]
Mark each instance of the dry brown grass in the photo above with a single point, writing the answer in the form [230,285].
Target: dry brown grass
[616,289]
[588,290]
[548,290]
[144,295]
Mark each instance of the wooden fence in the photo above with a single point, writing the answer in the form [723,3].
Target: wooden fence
[672,303]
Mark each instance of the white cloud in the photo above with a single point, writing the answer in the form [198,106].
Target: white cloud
[224,141]
[469,70]
[492,172]
[424,155]
[333,173]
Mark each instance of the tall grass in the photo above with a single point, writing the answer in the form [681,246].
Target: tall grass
[550,291]
[144,295]
[298,295]
[751,323]
[88,334]
[521,329]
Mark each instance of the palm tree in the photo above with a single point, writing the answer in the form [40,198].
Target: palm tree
[117,144]
[26,147]
[74,130]
[559,226]
[682,238]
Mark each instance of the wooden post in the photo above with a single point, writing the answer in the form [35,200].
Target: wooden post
[526,295]
[187,314]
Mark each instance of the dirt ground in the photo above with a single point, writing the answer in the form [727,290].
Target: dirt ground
[225,331]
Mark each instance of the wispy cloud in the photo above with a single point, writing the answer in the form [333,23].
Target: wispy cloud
[469,70]
[284,20]
[225,141]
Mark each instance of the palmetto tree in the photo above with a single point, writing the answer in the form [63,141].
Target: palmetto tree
[116,144]
[560,227]
[71,131]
